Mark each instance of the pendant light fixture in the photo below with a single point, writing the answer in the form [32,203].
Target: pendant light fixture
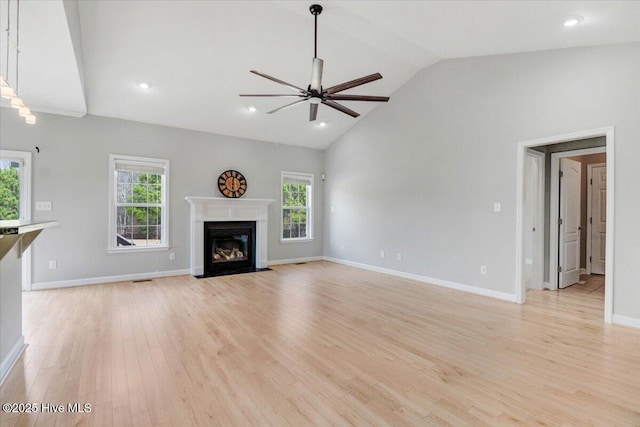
[6,90]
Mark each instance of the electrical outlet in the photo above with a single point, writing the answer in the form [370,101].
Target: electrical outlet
[333,209]
[398,256]
[483,270]
[172,256]
[497,207]
[53,265]
[381,254]
[43,206]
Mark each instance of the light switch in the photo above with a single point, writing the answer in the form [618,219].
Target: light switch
[497,207]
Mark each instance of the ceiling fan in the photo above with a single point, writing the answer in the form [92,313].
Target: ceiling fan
[315,93]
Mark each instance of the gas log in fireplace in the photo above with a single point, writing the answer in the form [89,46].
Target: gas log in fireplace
[229,247]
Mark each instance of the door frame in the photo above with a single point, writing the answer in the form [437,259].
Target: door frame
[554,206]
[538,261]
[590,210]
[608,133]
[25,208]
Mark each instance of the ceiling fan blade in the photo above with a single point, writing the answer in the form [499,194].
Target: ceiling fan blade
[284,107]
[313,112]
[339,107]
[359,98]
[271,95]
[273,79]
[316,74]
[353,83]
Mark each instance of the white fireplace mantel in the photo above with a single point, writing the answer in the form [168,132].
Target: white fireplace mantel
[223,209]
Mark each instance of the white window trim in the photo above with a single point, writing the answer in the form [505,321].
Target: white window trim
[25,205]
[310,215]
[111,239]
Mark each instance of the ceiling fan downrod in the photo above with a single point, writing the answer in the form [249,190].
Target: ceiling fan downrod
[315,10]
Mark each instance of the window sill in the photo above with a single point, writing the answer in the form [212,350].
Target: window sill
[138,249]
[306,240]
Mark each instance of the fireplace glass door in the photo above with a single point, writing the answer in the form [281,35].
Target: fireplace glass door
[229,247]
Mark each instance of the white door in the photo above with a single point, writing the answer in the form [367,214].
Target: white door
[598,218]
[569,229]
[531,222]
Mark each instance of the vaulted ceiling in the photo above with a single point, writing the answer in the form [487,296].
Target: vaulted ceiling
[80,57]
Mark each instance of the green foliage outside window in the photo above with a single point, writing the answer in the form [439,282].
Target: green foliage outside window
[9,192]
[294,213]
[140,223]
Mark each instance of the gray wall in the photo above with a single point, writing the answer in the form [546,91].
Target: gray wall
[10,305]
[72,171]
[420,174]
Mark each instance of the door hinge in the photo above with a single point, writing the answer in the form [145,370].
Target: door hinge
[590,259]
[590,220]
[559,221]
[559,269]
[561,174]
[591,181]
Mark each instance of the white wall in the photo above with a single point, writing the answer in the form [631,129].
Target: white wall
[420,174]
[72,171]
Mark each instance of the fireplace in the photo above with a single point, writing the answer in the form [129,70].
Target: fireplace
[222,209]
[230,247]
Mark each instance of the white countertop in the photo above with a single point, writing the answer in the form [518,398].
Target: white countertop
[22,227]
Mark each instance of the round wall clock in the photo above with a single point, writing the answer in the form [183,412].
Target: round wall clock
[232,184]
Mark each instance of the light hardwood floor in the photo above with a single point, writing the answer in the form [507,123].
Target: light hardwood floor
[321,344]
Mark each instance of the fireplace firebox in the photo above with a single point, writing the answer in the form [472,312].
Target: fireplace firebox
[230,247]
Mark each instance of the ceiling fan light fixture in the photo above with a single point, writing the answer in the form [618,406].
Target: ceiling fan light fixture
[144,85]
[252,109]
[323,124]
[572,21]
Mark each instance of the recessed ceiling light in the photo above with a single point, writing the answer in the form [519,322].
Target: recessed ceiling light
[573,20]
[144,85]
[322,124]
[252,109]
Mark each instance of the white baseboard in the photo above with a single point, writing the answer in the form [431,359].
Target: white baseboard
[626,321]
[107,279]
[295,260]
[12,358]
[429,280]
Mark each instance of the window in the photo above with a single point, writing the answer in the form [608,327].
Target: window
[297,215]
[138,203]
[9,188]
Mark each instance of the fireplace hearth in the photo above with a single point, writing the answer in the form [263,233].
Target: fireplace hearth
[230,247]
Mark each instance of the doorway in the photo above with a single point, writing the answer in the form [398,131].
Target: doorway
[15,201]
[572,251]
[568,215]
[582,261]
